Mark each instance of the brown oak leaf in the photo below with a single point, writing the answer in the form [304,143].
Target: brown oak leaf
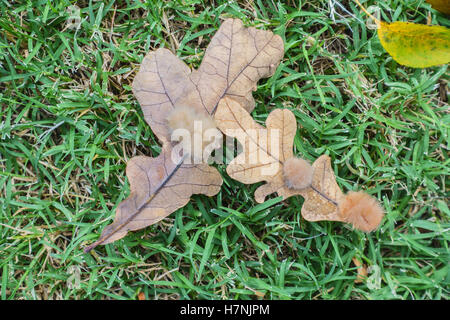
[260,160]
[159,186]
[263,159]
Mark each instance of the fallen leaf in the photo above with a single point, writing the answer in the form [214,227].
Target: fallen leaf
[159,186]
[267,150]
[321,198]
[415,45]
[234,61]
[440,5]
[258,161]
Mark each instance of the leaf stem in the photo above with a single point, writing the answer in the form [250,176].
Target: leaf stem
[378,22]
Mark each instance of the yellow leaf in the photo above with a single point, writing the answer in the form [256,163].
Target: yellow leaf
[415,45]
[440,5]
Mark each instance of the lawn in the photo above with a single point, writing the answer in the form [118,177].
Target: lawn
[69,123]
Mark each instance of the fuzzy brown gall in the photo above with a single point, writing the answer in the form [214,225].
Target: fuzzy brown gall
[298,173]
[361,210]
[189,119]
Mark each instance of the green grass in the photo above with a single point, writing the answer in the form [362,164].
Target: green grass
[69,123]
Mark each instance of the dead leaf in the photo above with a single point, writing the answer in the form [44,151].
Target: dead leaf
[159,186]
[361,270]
[141,296]
[268,151]
[321,198]
[234,61]
[260,160]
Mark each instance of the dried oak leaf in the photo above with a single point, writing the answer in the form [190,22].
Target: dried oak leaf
[234,61]
[159,186]
[263,160]
[258,162]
